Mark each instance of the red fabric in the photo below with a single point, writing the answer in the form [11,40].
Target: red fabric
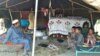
[24,14]
[9,43]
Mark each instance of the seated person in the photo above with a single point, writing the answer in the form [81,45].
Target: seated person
[15,35]
[91,37]
[79,39]
[71,38]
[85,29]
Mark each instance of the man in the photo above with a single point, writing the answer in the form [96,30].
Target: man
[15,35]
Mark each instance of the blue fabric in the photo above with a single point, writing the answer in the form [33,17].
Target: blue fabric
[98,43]
[80,48]
[24,23]
[14,35]
[79,39]
[2,38]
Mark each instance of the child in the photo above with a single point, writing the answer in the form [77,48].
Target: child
[71,38]
[79,40]
[91,37]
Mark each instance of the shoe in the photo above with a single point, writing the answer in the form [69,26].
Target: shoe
[68,48]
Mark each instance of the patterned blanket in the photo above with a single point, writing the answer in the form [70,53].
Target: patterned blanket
[64,25]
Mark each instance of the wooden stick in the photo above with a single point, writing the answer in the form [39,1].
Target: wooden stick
[4,2]
[72,9]
[10,15]
[18,3]
[81,5]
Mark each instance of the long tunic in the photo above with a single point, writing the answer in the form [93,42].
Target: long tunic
[14,35]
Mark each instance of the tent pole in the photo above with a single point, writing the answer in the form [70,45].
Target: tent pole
[10,15]
[96,11]
[81,5]
[6,3]
[91,17]
[35,23]
[19,11]
[20,14]
[49,9]
[18,3]
[1,3]
[72,9]
[55,9]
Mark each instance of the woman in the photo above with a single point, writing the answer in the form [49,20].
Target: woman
[85,29]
